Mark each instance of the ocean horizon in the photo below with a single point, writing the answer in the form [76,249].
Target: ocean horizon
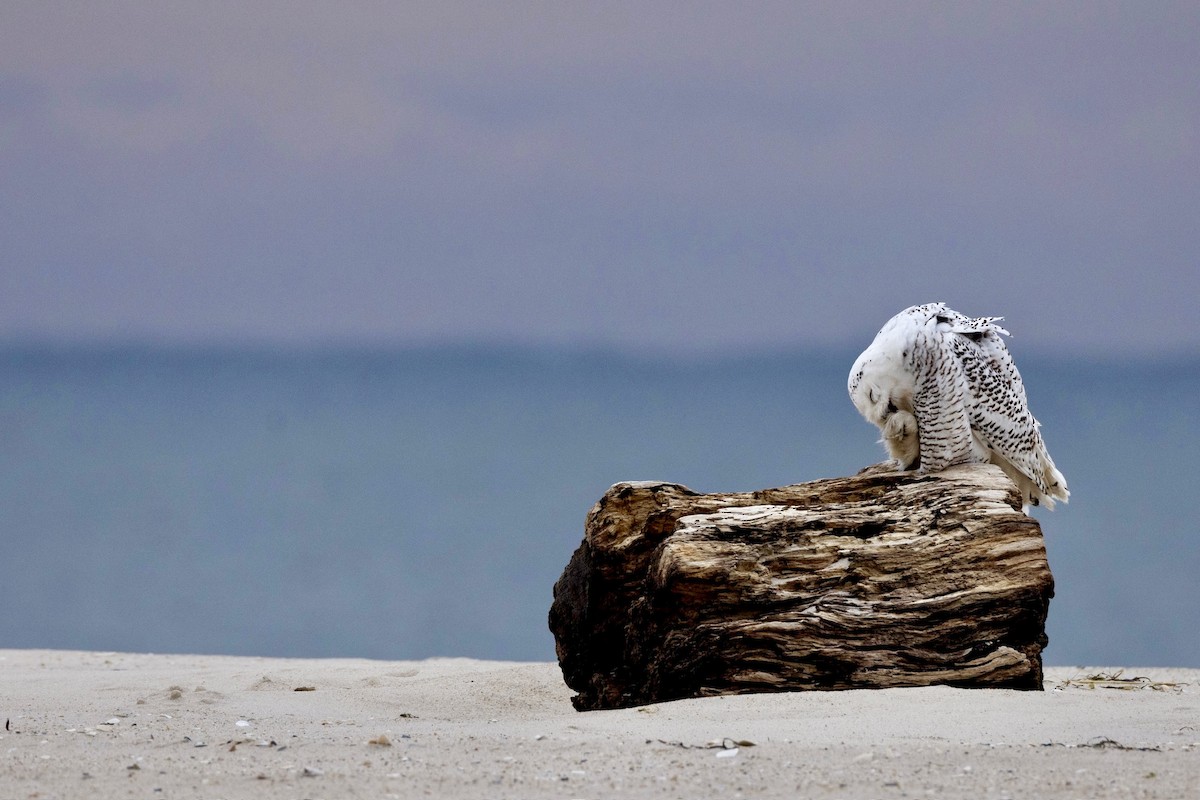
[412,502]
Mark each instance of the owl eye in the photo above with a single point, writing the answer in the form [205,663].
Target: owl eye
[871,396]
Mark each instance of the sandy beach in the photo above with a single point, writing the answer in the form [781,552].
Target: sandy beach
[124,725]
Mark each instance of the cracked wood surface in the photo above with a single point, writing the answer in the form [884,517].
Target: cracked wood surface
[878,580]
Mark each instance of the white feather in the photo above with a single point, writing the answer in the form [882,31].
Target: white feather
[943,389]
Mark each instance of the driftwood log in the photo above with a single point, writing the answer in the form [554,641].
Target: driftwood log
[879,580]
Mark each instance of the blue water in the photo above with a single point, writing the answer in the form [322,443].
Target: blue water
[417,503]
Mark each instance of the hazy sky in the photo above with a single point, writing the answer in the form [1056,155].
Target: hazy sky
[679,175]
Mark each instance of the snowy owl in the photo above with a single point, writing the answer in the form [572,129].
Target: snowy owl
[944,391]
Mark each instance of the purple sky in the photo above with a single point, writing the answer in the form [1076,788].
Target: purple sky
[676,175]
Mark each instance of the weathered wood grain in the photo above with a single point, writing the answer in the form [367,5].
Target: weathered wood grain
[879,580]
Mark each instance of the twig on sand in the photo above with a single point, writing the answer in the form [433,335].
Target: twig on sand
[1105,743]
[1114,680]
[725,744]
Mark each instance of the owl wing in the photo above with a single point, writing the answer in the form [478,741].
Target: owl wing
[940,403]
[999,412]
